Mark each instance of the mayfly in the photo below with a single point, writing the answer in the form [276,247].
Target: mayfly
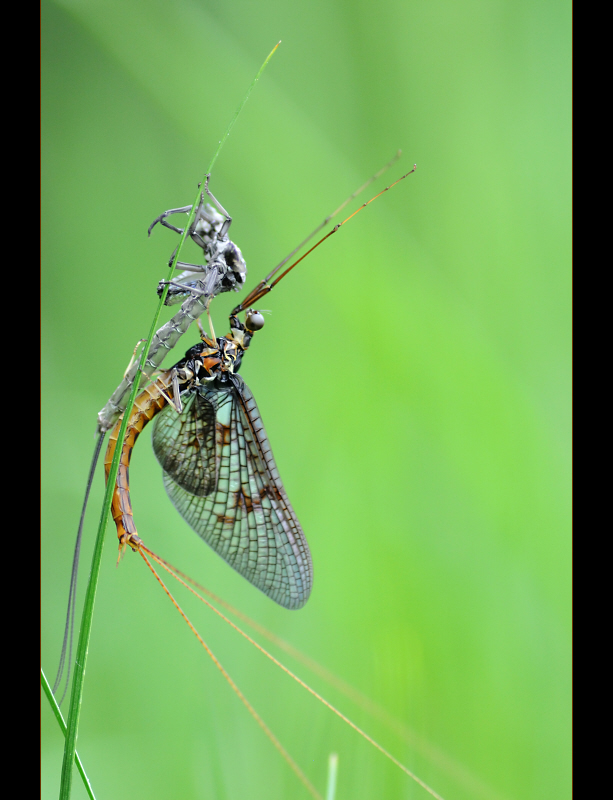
[209,438]
[224,269]
[218,467]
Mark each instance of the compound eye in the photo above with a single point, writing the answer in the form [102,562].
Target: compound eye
[254,321]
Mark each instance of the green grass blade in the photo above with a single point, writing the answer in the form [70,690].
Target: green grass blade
[332,770]
[240,108]
[90,596]
[58,715]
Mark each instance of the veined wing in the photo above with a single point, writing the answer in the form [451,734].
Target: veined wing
[247,517]
[184,444]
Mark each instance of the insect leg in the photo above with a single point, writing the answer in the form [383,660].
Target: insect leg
[208,313]
[191,289]
[176,392]
[162,219]
[190,267]
[189,271]
[209,287]
[133,359]
[226,225]
[175,400]
[206,292]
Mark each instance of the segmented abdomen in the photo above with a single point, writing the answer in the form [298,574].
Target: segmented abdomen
[147,404]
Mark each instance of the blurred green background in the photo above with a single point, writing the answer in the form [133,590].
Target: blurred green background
[414,379]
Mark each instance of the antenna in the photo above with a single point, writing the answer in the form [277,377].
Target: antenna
[264,287]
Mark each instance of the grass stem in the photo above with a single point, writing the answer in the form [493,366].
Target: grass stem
[58,715]
[332,770]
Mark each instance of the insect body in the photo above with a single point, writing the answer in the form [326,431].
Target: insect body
[219,470]
[225,268]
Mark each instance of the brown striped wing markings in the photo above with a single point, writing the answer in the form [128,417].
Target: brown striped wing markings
[246,516]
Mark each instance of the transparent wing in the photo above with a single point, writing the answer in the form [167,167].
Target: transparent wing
[247,518]
[184,444]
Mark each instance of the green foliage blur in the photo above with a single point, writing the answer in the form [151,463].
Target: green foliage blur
[413,376]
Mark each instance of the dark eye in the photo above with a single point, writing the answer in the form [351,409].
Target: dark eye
[254,321]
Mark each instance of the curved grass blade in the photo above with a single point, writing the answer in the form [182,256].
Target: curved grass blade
[58,715]
[65,664]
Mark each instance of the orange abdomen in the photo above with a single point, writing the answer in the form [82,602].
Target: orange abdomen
[147,404]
